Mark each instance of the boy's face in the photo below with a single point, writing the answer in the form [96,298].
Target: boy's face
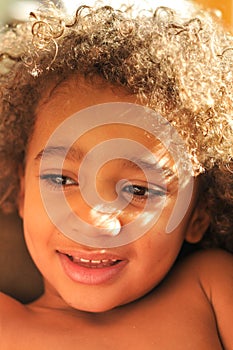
[95,278]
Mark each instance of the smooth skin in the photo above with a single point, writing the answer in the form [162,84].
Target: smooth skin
[186,311]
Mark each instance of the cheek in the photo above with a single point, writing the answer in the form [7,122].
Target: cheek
[157,251]
[38,233]
[37,225]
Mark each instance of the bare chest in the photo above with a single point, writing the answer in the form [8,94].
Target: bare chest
[132,327]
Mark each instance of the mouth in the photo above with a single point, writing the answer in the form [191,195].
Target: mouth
[93,263]
[91,267]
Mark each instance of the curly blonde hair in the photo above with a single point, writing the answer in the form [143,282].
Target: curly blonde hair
[180,66]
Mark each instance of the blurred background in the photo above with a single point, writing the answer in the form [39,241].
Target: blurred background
[20,9]
[225,6]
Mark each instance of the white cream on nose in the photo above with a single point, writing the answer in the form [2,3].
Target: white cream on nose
[107,221]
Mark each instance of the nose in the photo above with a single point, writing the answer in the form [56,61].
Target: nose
[99,216]
[108,223]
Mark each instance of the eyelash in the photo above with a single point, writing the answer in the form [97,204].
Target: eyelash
[56,181]
[139,194]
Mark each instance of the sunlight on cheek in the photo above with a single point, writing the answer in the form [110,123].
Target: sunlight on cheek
[146,218]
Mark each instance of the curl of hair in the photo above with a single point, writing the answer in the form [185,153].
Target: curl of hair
[180,66]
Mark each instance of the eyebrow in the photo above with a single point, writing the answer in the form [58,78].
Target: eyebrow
[136,163]
[76,154]
[70,153]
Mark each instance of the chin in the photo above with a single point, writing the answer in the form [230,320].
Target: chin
[96,308]
[97,305]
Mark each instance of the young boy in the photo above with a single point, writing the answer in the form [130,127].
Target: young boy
[119,148]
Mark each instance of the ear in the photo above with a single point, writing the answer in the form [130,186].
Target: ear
[198,223]
[21,192]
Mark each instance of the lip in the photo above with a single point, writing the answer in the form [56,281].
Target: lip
[91,275]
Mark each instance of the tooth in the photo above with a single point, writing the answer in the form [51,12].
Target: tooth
[84,260]
[96,261]
[105,260]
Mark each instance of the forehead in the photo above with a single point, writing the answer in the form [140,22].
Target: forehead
[75,96]
[72,96]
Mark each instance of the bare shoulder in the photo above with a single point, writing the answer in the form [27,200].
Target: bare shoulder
[11,315]
[9,305]
[211,260]
[213,271]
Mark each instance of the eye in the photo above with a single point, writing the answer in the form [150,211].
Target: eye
[135,193]
[57,181]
